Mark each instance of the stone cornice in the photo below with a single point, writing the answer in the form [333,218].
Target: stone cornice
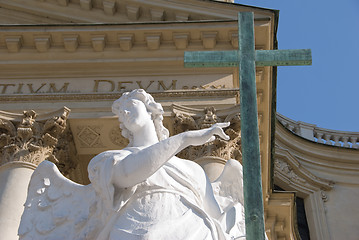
[290,170]
[114,37]
[332,158]
[136,10]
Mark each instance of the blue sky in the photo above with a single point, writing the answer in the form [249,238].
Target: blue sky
[326,93]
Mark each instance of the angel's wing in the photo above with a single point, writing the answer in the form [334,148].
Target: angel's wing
[228,191]
[57,208]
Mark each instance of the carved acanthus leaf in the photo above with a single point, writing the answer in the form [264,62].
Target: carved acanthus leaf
[26,139]
[218,148]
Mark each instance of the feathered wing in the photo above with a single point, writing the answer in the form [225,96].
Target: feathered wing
[228,191]
[58,208]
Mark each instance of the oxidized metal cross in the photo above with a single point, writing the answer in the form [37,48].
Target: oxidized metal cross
[247,58]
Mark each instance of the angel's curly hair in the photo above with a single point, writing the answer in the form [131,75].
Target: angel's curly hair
[153,108]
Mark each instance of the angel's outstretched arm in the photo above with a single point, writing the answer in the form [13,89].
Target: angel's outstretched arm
[138,166]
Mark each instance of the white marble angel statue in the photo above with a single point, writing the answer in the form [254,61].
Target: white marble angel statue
[140,192]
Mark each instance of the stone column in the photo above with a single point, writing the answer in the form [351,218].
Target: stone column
[211,156]
[25,141]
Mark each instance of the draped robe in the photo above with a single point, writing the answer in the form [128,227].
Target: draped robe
[170,204]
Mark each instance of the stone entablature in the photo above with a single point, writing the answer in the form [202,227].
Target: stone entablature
[119,37]
[120,84]
[321,135]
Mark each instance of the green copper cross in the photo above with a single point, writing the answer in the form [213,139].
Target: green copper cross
[247,58]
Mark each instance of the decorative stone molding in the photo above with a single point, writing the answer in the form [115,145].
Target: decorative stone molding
[233,36]
[98,42]
[13,43]
[209,39]
[126,41]
[181,40]
[109,7]
[63,2]
[42,43]
[71,42]
[157,14]
[153,40]
[185,118]
[86,4]
[114,96]
[321,135]
[86,36]
[133,12]
[103,11]
[289,170]
[32,138]
[279,214]
[290,175]
[182,16]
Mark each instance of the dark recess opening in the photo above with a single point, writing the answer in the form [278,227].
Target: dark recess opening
[301,216]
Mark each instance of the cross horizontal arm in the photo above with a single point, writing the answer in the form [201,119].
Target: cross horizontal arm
[211,59]
[262,57]
[291,57]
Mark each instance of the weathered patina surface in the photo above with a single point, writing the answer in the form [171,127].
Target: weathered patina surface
[247,58]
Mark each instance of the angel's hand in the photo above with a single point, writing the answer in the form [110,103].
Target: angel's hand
[203,136]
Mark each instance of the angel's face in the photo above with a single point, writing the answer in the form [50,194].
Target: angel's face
[134,115]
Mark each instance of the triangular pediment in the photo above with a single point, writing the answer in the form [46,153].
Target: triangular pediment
[116,11]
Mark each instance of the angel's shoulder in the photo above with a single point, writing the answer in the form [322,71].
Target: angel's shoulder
[113,154]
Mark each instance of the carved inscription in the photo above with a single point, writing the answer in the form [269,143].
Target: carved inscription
[121,86]
[116,85]
[21,88]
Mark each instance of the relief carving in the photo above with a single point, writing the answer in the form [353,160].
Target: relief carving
[285,168]
[185,119]
[23,138]
[89,136]
[324,195]
[290,172]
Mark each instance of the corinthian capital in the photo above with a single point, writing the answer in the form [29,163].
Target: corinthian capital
[32,137]
[185,118]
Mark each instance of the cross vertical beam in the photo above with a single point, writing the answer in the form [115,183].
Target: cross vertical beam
[252,180]
[246,58]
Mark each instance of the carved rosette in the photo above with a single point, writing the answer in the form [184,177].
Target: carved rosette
[32,138]
[185,119]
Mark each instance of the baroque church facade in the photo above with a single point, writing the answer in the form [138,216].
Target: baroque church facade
[63,63]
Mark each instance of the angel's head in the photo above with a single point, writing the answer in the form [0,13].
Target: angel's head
[143,104]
